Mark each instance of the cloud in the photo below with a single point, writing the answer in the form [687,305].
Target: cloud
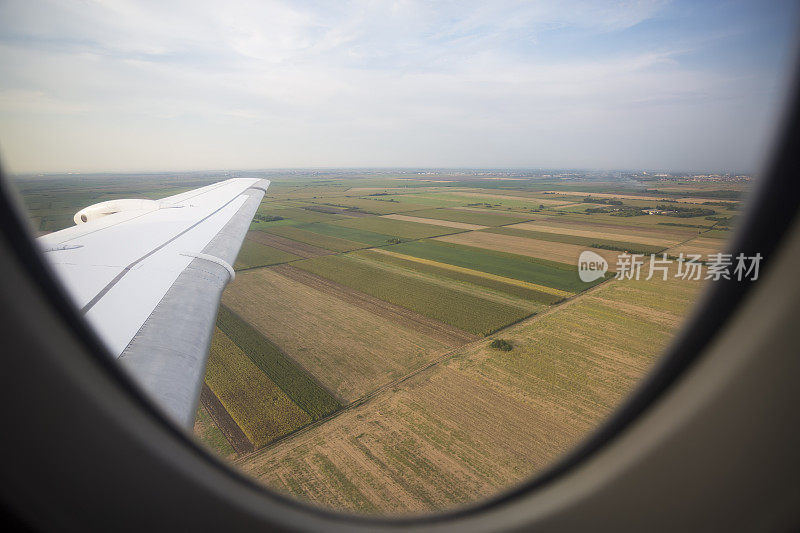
[354,83]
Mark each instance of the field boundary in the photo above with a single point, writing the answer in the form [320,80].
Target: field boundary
[299,385]
[432,364]
[225,422]
[478,273]
[396,313]
[284,244]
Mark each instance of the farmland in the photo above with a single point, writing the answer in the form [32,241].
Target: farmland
[591,242]
[482,420]
[367,205]
[314,239]
[542,272]
[549,250]
[479,217]
[396,228]
[254,254]
[299,386]
[242,387]
[458,420]
[365,237]
[521,289]
[352,365]
[435,222]
[329,337]
[464,311]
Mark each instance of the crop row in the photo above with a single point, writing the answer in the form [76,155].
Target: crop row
[254,401]
[476,278]
[254,254]
[294,381]
[467,312]
[532,269]
[368,238]
[315,239]
[396,228]
[377,207]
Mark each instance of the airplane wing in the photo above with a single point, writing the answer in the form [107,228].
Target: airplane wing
[148,276]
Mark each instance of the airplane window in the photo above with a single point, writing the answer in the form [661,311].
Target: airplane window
[452,239]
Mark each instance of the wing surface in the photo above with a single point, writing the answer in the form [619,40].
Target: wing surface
[149,279]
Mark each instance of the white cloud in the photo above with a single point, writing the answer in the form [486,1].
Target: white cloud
[260,84]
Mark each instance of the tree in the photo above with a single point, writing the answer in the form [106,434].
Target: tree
[502,345]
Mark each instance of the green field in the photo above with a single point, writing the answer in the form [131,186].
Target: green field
[298,214]
[261,409]
[209,434]
[490,198]
[488,283]
[396,228]
[540,271]
[294,381]
[469,217]
[368,238]
[52,202]
[254,254]
[467,312]
[418,201]
[375,207]
[315,239]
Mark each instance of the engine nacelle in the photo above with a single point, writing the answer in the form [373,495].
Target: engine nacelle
[93,212]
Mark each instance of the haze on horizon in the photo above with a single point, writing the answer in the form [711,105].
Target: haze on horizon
[151,86]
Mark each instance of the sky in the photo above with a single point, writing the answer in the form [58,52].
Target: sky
[118,85]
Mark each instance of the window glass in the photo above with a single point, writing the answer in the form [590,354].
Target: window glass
[485,221]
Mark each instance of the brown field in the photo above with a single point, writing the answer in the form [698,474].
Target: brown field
[553,251]
[349,349]
[701,245]
[482,420]
[435,222]
[300,249]
[655,237]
